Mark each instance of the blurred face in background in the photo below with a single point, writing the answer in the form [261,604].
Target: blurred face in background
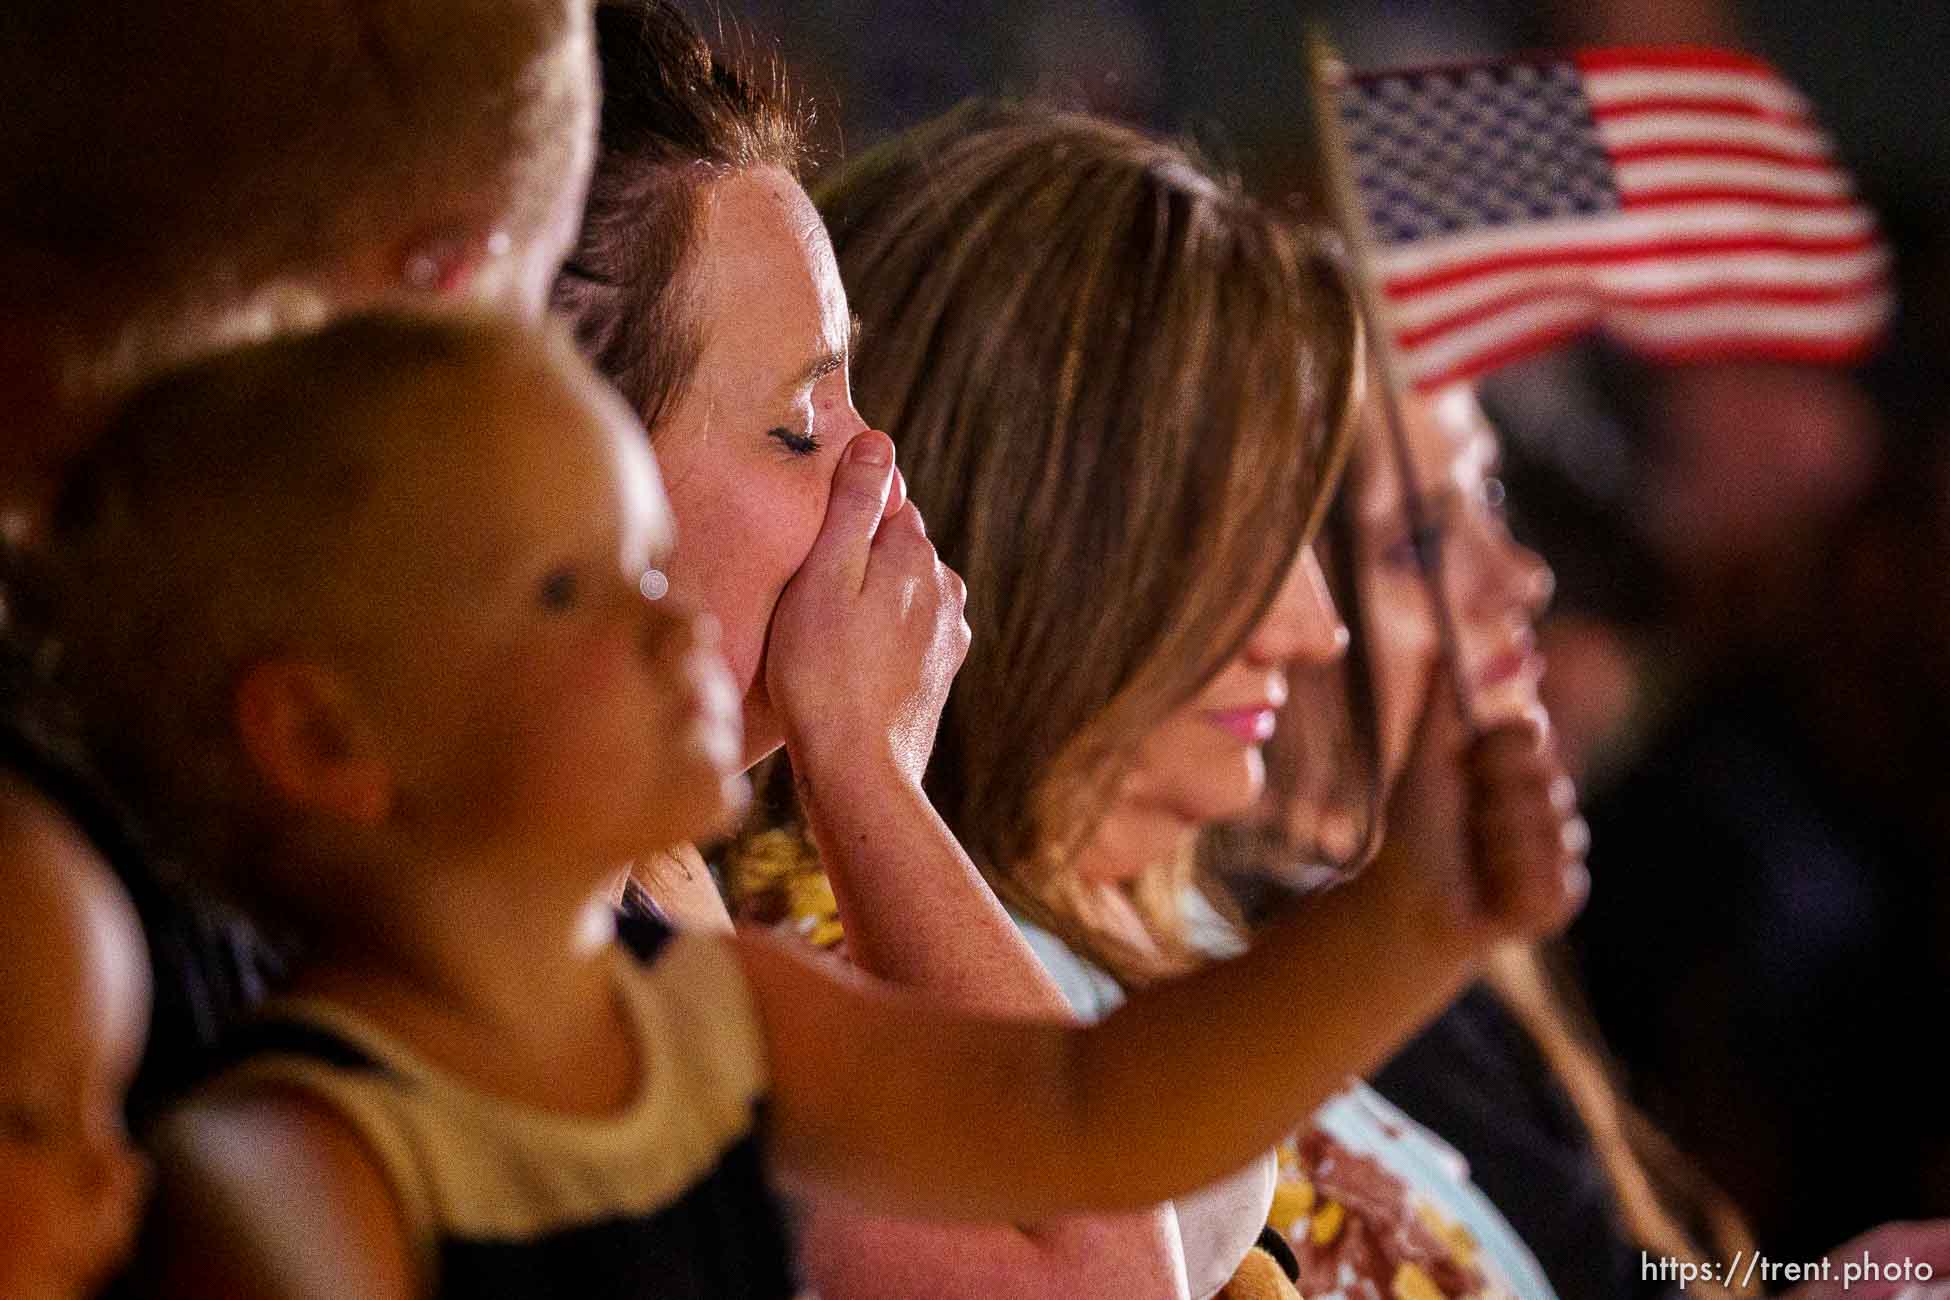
[1496,587]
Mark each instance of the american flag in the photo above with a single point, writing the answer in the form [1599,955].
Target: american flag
[1683,200]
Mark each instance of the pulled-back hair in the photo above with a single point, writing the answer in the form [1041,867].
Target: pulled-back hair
[1120,388]
[675,118]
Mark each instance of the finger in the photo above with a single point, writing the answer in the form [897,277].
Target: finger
[1573,890]
[861,485]
[901,552]
[1523,819]
[957,589]
[906,528]
[1513,836]
[1518,743]
[1522,784]
[1536,893]
[896,497]
[1564,794]
[1576,837]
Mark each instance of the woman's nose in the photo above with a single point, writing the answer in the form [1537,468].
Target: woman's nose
[1302,625]
[1516,580]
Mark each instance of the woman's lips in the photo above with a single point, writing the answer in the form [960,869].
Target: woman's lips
[1511,665]
[1249,726]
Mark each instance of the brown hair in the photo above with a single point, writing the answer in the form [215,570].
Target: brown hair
[675,117]
[167,171]
[1119,388]
[208,526]
[1320,816]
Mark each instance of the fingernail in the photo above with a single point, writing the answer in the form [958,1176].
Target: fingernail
[1564,794]
[871,448]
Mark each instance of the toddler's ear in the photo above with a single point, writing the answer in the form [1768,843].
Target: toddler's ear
[308,739]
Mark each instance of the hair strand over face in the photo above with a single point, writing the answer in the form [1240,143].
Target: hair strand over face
[1115,382]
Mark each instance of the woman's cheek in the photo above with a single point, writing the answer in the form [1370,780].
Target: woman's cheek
[1406,660]
[779,526]
[1198,771]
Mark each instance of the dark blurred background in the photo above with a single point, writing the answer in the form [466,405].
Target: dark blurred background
[1751,646]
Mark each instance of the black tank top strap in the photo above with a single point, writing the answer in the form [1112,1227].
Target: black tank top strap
[641,925]
[274,1036]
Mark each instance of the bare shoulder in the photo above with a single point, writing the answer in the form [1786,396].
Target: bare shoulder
[272,1196]
[683,889]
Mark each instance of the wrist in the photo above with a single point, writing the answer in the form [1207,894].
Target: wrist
[832,775]
[1421,911]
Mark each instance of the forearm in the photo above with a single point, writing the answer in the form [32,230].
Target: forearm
[852,1254]
[1178,1089]
[917,913]
[1326,993]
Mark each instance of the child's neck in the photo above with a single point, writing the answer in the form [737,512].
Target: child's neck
[515,995]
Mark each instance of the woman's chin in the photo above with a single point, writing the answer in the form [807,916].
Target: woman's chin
[1231,791]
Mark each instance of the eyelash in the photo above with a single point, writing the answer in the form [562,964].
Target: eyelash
[799,444]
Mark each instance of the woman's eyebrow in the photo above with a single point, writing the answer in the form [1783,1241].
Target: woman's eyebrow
[822,365]
[828,362]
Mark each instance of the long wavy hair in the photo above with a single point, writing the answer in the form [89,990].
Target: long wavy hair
[1112,377]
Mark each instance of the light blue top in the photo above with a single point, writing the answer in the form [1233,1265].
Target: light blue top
[1358,1117]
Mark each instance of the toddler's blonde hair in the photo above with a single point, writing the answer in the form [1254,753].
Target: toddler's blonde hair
[209,528]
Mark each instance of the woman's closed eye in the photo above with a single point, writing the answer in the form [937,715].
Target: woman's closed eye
[799,444]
